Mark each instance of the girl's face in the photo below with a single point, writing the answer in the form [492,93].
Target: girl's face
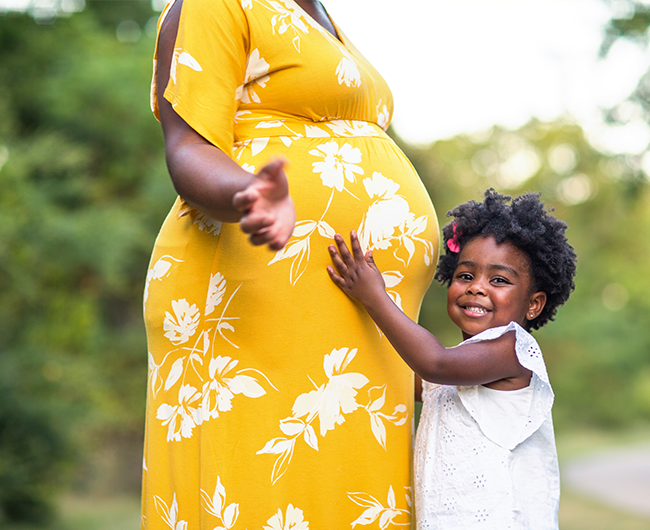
[492,286]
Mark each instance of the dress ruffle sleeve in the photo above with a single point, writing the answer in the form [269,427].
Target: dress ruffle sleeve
[209,67]
[530,357]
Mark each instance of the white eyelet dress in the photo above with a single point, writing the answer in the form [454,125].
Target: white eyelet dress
[484,458]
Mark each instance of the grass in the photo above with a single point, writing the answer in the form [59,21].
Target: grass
[576,512]
[87,513]
[579,513]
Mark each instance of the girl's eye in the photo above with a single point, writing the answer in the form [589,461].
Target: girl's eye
[464,276]
[500,280]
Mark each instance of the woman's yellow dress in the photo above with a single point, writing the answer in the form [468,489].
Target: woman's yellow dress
[273,401]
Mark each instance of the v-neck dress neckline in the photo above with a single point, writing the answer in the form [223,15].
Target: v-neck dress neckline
[338,37]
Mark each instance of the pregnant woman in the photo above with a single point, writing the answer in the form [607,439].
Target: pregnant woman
[273,400]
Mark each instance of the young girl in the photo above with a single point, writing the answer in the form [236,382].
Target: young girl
[485,452]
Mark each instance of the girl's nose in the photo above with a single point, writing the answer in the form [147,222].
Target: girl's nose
[476,287]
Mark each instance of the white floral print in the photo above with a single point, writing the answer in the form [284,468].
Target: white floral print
[184,415]
[340,163]
[183,323]
[338,397]
[287,18]
[220,390]
[376,416]
[348,72]
[256,74]
[351,128]
[390,223]
[293,520]
[158,271]
[180,56]
[376,510]
[383,115]
[169,514]
[207,224]
[216,291]
[299,247]
[329,403]
[216,505]
[216,394]
[216,354]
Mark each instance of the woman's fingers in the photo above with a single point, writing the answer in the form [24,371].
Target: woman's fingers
[243,200]
[254,222]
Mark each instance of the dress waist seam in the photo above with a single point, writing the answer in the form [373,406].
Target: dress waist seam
[291,130]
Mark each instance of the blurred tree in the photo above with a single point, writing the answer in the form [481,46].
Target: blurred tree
[83,190]
[598,351]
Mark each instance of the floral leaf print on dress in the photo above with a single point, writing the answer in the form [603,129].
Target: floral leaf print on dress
[293,520]
[348,72]
[183,323]
[376,510]
[247,359]
[169,514]
[184,413]
[215,395]
[256,74]
[389,220]
[216,505]
[329,403]
[377,417]
[180,56]
[340,163]
[158,271]
[299,248]
[288,18]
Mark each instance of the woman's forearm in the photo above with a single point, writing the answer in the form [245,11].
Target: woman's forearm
[202,174]
[207,179]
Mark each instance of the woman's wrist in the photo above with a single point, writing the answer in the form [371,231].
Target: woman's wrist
[207,181]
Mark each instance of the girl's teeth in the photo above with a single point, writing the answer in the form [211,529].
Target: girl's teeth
[476,309]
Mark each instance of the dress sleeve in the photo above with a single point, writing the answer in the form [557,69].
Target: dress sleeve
[208,67]
[529,355]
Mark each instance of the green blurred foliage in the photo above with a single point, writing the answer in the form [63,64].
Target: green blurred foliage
[83,190]
[598,349]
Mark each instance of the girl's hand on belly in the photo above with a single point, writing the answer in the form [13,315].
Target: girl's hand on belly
[269,214]
[356,274]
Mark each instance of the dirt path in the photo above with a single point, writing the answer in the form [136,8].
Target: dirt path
[618,477]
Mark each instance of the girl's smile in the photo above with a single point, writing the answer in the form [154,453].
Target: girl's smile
[492,286]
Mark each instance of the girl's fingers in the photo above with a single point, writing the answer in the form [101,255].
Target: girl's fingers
[343,250]
[335,277]
[370,260]
[336,259]
[356,247]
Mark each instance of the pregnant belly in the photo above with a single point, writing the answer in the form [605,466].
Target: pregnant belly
[357,183]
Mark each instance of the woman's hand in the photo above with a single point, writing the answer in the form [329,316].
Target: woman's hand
[356,274]
[269,214]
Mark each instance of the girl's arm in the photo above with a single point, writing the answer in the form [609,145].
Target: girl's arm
[469,364]
[208,179]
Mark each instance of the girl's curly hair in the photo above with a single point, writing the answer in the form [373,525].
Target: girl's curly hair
[527,225]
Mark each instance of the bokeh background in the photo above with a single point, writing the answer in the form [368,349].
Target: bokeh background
[84,189]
